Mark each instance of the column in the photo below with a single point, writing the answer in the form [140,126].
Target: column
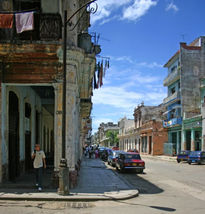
[192,140]
[183,142]
[177,142]
[57,124]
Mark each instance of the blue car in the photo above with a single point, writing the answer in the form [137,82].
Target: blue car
[183,156]
[112,157]
[197,157]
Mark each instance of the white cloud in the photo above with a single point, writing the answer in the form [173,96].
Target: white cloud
[116,96]
[119,97]
[134,10]
[138,9]
[172,6]
[131,61]
[150,65]
[98,121]
[106,7]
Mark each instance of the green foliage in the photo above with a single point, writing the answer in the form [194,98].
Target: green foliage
[112,136]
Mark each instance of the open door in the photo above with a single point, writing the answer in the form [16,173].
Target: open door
[14,162]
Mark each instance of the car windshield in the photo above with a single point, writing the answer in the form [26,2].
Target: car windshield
[183,153]
[195,153]
[132,156]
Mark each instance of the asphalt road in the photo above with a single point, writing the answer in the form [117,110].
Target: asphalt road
[165,187]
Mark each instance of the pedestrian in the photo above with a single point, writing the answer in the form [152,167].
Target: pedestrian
[96,153]
[39,161]
[90,152]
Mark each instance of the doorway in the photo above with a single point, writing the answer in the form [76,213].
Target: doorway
[188,140]
[14,159]
[150,144]
[28,161]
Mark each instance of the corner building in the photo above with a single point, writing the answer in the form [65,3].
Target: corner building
[31,84]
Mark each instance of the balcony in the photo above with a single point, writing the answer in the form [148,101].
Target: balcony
[172,98]
[172,122]
[47,27]
[172,77]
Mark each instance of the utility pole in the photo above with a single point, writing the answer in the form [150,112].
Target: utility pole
[64,170]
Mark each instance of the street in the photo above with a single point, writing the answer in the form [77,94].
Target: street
[165,187]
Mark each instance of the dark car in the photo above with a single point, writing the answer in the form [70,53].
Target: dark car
[112,157]
[183,156]
[130,161]
[197,157]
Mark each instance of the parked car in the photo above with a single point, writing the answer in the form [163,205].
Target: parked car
[197,157]
[112,157]
[105,153]
[100,151]
[130,161]
[183,156]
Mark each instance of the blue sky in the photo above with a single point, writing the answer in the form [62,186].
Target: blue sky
[140,36]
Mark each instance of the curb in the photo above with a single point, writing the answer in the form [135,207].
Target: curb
[163,158]
[121,195]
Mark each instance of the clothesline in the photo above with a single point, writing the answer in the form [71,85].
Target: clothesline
[24,21]
[103,57]
[19,11]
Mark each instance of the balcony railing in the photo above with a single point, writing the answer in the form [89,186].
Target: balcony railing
[172,122]
[172,77]
[47,27]
[172,98]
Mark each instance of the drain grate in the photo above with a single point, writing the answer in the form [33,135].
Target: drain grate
[79,205]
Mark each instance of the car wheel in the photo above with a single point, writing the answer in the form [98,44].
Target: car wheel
[189,163]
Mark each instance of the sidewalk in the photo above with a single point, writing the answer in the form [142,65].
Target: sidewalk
[95,182]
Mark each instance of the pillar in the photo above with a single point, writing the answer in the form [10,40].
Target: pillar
[178,146]
[192,140]
[183,142]
[57,124]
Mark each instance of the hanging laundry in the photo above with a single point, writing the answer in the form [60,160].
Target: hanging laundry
[98,75]
[6,20]
[95,82]
[101,74]
[24,21]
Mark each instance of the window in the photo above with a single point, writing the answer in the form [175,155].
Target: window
[173,90]
[173,68]
[173,113]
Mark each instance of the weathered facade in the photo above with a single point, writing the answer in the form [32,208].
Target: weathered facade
[145,133]
[31,71]
[126,135]
[184,121]
[149,129]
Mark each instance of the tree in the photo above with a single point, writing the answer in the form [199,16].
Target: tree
[112,138]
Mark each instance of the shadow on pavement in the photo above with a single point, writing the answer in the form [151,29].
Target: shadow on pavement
[167,209]
[139,182]
[26,183]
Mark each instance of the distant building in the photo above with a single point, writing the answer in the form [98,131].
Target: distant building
[126,135]
[144,133]
[149,130]
[103,129]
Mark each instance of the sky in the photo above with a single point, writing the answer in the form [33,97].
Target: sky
[139,37]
